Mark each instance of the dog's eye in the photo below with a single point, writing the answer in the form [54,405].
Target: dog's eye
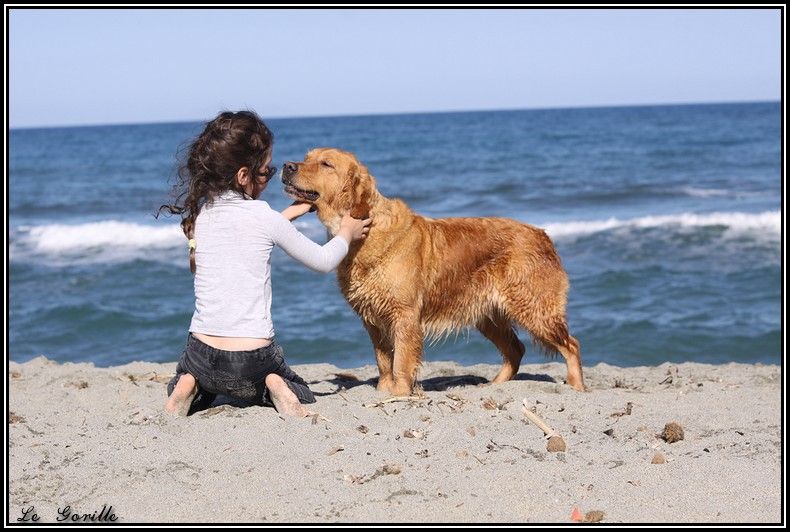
[327,164]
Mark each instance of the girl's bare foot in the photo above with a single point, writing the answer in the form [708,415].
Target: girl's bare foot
[285,401]
[181,399]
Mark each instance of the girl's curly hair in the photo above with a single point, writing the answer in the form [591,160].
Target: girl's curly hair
[229,142]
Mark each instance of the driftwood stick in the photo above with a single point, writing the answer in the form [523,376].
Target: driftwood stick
[533,417]
[399,399]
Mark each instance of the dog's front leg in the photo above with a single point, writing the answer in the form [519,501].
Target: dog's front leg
[383,348]
[407,339]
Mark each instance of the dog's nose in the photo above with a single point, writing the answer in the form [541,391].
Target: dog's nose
[289,169]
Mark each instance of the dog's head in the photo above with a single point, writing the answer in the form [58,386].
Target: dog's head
[333,180]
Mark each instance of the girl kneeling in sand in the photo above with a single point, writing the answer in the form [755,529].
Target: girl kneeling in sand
[230,349]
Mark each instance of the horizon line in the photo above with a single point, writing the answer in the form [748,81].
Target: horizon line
[389,113]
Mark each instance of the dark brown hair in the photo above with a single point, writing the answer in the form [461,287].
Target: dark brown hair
[229,142]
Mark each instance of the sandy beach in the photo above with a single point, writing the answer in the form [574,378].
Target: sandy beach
[89,438]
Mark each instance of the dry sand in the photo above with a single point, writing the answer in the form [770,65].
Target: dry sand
[87,437]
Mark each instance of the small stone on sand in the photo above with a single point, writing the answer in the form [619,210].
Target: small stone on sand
[672,432]
[556,445]
[658,458]
[594,516]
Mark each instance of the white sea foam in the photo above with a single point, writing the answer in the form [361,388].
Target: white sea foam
[110,240]
[116,241]
[699,192]
[58,238]
[765,224]
[706,192]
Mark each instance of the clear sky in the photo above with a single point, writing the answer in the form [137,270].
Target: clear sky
[69,67]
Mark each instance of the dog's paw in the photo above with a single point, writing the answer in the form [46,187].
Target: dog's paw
[401,390]
[385,385]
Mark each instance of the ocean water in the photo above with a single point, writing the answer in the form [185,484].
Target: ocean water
[667,218]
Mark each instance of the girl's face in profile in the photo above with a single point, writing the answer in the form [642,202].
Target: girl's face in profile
[261,179]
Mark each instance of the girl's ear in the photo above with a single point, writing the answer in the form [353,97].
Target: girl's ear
[243,176]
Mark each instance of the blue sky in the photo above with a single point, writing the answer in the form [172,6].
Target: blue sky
[70,67]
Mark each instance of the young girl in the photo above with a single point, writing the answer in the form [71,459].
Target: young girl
[230,349]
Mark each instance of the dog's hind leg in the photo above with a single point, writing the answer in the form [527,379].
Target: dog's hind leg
[501,333]
[552,333]
[538,305]
[570,350]
[384,354]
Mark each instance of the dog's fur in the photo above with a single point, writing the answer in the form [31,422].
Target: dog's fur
[416,276]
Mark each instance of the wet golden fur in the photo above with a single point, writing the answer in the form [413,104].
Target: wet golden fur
[416,277]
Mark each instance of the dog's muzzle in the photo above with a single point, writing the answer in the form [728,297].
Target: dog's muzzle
[289,170]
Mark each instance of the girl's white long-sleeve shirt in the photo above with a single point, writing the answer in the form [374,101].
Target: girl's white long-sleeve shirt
[234,238]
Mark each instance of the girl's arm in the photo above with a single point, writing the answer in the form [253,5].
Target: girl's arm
[296,209]
[318,258]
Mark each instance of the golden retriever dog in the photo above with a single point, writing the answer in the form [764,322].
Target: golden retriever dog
[415,277]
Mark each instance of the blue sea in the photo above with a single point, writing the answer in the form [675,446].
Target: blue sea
[667,218]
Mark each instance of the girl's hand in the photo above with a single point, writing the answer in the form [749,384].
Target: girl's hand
[296,209]
[353,229]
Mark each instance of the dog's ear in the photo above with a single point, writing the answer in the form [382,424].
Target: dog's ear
[360,183]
